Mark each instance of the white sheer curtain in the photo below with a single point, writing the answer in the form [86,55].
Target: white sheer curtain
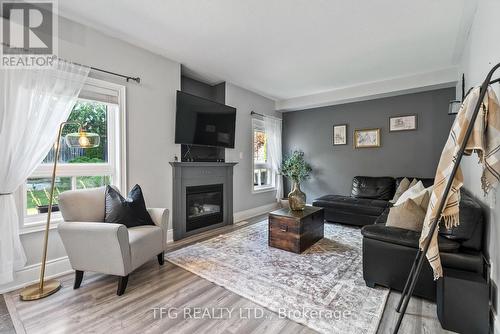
[34,103]
[272,127]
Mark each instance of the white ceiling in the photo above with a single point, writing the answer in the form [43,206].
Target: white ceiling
[286,49]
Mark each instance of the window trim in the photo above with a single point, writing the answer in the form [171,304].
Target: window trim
[258,124]
[118,151]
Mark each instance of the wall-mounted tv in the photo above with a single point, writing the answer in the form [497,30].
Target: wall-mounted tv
[204,122]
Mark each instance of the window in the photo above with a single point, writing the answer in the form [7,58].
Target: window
[263,177]
[99,110]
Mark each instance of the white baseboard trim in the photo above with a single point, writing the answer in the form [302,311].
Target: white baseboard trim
[246,214]
[31,274]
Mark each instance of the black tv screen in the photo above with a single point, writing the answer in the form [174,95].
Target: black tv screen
[203,122]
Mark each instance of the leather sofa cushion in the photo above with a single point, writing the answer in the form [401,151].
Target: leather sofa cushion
[382,188]
[404,237]
[371,207]
[469,261]
[470,230]
[427,182]
[383,217]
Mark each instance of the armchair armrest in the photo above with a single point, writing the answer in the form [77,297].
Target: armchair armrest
[160,218]
[99,247]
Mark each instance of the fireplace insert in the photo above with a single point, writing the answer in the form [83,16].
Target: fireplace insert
[204,206]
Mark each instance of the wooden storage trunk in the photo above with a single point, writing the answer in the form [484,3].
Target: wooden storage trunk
[295,231]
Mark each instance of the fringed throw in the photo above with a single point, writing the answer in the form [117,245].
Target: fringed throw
[485,141]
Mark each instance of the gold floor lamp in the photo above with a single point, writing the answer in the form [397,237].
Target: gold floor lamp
[84,140]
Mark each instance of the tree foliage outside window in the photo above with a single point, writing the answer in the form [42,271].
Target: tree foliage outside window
[260,147]
[92,116]
[262,175]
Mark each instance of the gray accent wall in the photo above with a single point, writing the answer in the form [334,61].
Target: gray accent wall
[406,153]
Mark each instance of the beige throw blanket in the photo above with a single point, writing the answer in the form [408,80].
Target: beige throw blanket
[485,141]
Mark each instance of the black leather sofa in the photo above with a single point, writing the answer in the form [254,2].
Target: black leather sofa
[369,198]
[388,252]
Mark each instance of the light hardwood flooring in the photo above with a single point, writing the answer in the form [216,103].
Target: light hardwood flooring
[95,308]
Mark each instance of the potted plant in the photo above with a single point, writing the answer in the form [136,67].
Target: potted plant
[296,169]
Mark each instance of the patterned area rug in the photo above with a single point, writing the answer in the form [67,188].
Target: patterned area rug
[322,288]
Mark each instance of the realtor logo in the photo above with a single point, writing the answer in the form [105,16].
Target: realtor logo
[28,34]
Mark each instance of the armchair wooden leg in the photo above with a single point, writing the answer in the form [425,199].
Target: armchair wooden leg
[122,285]
[161,258]
[78,279]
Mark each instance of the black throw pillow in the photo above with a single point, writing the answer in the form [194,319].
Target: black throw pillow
[130,211]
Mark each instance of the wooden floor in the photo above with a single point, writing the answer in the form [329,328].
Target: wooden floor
[95,308]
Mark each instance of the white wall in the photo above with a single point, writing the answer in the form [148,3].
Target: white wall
[481,53]
[245,101]
[150,108]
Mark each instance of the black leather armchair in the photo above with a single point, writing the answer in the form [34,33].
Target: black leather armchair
[388,252]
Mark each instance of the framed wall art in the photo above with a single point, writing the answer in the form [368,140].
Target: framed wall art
[340,134]
[403,123]
[365,138]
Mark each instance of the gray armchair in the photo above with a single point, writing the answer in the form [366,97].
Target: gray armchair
[93,245]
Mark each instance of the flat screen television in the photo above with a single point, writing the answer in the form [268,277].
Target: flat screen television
[204,122]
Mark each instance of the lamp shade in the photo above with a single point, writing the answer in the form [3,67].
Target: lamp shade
[82,139]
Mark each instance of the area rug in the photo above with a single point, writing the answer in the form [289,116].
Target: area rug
[322,288]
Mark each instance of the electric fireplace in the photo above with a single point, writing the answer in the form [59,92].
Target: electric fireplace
[202,197]
[204,206]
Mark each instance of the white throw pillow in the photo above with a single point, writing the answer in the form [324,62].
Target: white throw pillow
[411,193]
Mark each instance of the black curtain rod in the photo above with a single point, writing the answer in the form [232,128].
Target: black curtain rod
[127,77]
